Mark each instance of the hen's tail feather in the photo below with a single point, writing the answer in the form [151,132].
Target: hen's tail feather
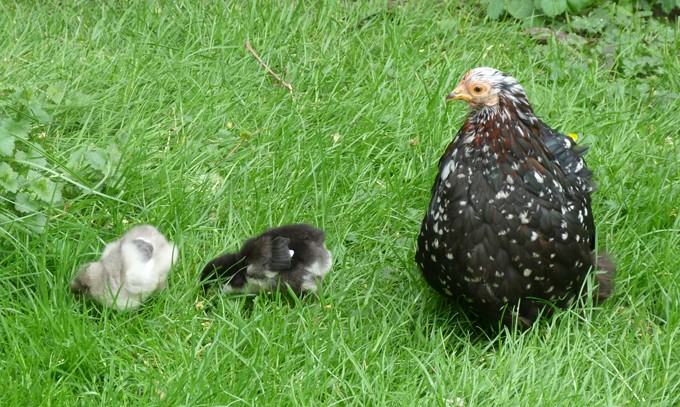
[604,275]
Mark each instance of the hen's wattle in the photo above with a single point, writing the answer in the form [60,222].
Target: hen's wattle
[509,228]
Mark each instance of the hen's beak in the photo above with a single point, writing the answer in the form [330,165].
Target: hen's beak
[458,94]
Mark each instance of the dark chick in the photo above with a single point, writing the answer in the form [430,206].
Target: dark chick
[291,255]
[510,228]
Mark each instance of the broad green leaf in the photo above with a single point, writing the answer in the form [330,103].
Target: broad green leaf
[96,160]
[33,175]
[40,115]
[495,8]
[669,5]
[576,6]
[6,142]
[520,8]
[551,8]
[602,16]
[75,160]
[666,5]
[8,178]
[46,190]
[56,92]
[19,128]
[25,204]
[33,156]
[35,222]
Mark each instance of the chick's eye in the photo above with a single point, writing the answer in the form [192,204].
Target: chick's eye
[477,89]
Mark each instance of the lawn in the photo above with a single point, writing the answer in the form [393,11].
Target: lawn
[157,113]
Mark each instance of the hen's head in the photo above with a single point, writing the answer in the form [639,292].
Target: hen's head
[488,87]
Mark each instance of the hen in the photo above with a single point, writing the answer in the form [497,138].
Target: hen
[509,229]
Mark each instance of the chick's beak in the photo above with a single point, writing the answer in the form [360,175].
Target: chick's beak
[458,94]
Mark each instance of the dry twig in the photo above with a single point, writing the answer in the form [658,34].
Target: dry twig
[244,138]
[272,73]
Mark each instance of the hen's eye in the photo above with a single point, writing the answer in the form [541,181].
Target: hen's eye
[477,89]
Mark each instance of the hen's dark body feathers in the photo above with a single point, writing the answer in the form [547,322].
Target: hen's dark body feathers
[510,220]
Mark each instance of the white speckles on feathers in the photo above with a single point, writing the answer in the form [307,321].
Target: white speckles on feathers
[524,217]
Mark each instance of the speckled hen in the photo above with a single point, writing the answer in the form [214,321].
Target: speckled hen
[510,228]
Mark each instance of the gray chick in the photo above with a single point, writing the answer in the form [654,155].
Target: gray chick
[130,269]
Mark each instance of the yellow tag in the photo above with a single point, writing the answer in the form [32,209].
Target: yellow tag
[573,136]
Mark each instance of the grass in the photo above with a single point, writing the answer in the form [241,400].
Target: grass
[173,87]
